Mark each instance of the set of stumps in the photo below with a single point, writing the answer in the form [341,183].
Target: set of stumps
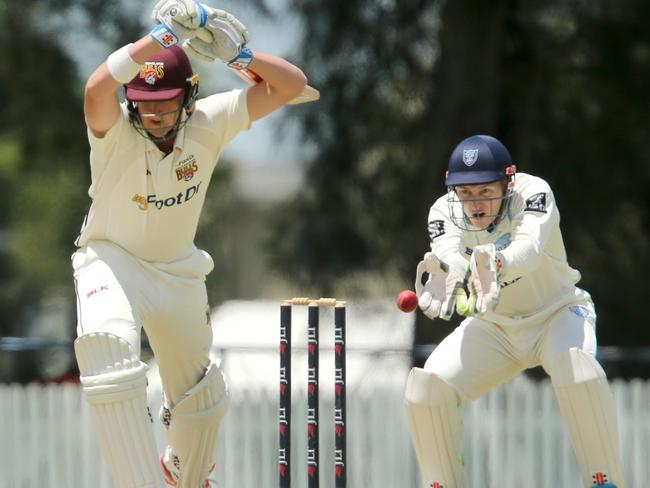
[284,454]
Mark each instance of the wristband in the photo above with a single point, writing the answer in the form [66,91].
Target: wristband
[164,36]
[122,66]
[242,60]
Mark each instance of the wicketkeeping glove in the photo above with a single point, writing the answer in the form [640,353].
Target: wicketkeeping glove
[229,39]
[437,297]
[179,20]
[483,282]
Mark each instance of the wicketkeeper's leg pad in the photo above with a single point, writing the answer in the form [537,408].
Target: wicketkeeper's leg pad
[587,406]
[193,426]
[114,382]
[433,410]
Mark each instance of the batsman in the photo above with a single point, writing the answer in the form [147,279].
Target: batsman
[497,257]
[151,159]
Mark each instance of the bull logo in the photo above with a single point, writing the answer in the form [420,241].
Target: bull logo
[151,72]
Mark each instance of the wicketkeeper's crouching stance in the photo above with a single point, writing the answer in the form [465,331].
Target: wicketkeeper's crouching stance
[496,235]
[137,266]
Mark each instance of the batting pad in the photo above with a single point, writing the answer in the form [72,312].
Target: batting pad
[433,410]
[587,406]
[114,382]
[194,427]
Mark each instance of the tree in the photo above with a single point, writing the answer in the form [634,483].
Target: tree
[561,83]
[43,155]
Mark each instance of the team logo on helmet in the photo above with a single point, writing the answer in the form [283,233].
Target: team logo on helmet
[151,72]
[470,156]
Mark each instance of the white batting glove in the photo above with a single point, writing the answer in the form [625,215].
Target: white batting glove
[483,281]
[179,20]
[229,39]
[437,297]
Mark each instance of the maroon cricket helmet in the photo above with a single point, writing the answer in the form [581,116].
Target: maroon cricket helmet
[163,77]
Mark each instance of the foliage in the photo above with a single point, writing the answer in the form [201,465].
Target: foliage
[563,83]
[40,165]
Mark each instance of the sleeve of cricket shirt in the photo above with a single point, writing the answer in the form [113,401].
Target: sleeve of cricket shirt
[534,216]
[226,115]
[445,237]
[105,149]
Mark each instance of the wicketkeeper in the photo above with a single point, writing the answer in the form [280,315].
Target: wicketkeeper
[137,266]
[497,256]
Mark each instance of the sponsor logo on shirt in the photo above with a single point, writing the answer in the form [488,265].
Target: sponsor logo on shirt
[141,201]
[436,228]
[503,284]
[186,168]
[583,312]
[503,241]
[536,203]
[160,203]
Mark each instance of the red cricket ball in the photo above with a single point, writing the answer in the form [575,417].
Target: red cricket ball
[407,301]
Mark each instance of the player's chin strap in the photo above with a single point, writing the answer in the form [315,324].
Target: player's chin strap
[193,427]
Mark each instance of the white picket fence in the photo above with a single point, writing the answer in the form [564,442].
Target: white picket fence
[514,439]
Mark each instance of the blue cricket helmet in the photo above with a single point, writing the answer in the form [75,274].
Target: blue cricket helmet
[478,159]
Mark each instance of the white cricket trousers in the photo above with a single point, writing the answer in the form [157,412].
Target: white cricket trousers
[478,355]
[119,293]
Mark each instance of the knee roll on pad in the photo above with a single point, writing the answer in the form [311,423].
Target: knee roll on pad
[114,382]
[108,366]
[587,407]
[194,426]
[433,410]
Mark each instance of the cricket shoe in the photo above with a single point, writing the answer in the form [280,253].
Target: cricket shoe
[170,465]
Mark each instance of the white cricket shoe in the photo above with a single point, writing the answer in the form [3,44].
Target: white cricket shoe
[170,465]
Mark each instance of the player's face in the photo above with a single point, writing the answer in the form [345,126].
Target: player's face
[158,118]
[481,203]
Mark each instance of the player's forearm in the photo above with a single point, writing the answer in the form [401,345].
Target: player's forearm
[521,257]
[281,76]
[102,83]
[101,103]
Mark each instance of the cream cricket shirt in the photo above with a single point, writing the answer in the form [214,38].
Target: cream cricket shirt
[536,279]
[147,203]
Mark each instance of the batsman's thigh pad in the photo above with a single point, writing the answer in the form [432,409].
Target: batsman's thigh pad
[433,410]
[587,406]
[114,382]
[194,426]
